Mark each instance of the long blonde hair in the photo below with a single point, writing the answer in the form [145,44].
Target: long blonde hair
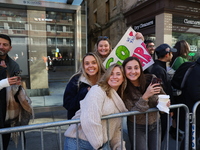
[101,68]
[103,83]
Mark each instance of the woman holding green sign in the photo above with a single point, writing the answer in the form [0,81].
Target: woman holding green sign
[104,48]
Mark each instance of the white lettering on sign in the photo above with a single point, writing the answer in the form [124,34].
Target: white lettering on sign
[142,25]
[42,19]
[187,21]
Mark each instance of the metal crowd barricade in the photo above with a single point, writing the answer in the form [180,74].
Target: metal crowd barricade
[59,124]
[194,146]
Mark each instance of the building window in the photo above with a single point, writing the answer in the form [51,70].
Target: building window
[107,11]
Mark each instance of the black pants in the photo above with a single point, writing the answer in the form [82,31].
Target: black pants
[163,118]
[6,140]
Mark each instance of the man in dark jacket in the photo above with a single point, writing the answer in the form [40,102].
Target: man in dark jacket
[159,68]
[11,68]
[190,95]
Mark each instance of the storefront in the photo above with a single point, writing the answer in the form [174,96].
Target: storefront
[42,33]
[168,22]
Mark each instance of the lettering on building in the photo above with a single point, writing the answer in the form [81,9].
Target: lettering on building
[192,22]
[32,3]
[143,25]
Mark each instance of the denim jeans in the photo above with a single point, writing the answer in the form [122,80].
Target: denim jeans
[71,144]
[153,141]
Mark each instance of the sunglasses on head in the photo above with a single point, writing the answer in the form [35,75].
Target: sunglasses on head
[103,37]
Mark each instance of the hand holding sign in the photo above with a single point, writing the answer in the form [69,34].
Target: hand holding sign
[129,46]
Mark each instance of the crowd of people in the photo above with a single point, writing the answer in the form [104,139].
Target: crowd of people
[86,97]
[94,92]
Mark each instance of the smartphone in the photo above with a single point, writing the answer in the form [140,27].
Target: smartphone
[156,80]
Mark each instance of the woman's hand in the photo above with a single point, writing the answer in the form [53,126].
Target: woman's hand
[152,90]
[139,35]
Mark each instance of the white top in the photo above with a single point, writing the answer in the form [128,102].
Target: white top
[4,83]
[95,105]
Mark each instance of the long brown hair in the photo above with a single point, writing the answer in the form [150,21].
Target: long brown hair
[142,79]
[183,49]
[103,83]
[99,63]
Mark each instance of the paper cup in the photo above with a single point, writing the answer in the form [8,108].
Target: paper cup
[162,103]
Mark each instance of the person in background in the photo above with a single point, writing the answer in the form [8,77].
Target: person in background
[103,45]
[164,54]
[8,68]
[150,46]
[80,83]
[189,96]
[102,99]
[181,55]
[178,59]
[140,95]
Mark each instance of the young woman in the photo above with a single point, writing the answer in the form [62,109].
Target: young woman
[104,48]
[102,99]
[181,55]
[140,95]
[80,83]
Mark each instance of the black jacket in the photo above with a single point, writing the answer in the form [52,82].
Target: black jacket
[76,90]
[159,69]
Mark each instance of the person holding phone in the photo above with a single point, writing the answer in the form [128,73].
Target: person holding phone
[140,95]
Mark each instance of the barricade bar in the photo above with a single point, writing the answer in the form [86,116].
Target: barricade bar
[123,115]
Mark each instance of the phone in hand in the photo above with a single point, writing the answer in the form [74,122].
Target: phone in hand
[156,80]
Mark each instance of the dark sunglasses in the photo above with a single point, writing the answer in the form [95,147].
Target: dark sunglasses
[151,46]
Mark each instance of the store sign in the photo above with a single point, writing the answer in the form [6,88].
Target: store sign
[129,46]
[143,25]
[192,22]
[186,21]
[32,2]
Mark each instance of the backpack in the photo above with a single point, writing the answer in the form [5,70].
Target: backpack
[180,77]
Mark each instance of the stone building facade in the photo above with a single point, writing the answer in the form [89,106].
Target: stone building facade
[163,21]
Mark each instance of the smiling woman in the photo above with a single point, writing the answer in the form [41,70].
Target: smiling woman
[102,99]
[81,82]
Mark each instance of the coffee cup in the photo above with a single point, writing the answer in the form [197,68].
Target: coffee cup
[162,103]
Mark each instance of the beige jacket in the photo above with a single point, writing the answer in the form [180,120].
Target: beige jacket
[95,105]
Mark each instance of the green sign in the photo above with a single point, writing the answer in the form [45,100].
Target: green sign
[192,54]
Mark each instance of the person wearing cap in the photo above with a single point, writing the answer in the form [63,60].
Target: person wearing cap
[159,68]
